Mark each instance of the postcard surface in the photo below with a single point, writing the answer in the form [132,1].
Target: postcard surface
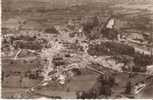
[77,49]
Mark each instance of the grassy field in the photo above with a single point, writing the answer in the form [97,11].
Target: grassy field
[83,82]
[41,15]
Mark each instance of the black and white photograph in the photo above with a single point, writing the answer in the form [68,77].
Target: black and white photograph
[77,49]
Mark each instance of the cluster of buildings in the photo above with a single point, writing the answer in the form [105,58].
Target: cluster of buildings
[72,42]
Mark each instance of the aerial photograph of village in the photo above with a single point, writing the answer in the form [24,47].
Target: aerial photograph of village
[77,49]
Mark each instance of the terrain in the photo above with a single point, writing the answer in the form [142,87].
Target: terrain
[56,48]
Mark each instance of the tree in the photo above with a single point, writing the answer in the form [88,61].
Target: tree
[89,26]
[128,87]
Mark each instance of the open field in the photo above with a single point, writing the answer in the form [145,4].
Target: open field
[40,15]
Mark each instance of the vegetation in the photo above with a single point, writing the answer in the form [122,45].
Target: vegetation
[88,25]
[51,30]
[110,48]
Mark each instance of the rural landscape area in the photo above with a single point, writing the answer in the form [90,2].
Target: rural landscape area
[77,49]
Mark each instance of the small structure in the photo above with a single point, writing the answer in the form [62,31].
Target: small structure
[150,69]
[135,36]
[110,23]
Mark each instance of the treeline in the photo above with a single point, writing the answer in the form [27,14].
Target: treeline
[110,48]
[113,49]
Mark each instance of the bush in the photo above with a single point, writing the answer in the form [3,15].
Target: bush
[109,33]
[52,30]
[142,60]
[33,45]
